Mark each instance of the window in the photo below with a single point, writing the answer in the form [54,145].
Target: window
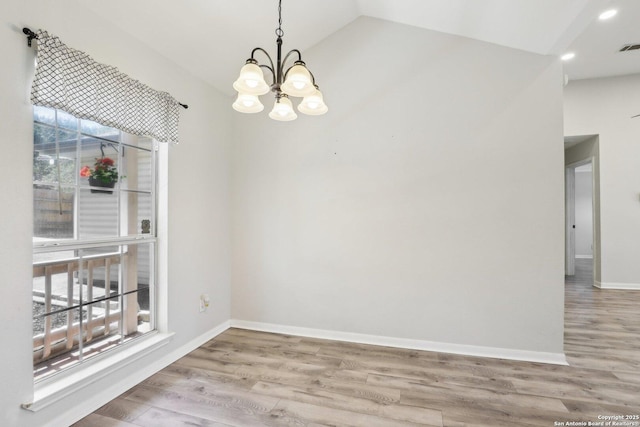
[94,239]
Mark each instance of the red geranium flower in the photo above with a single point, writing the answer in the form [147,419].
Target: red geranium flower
[104,170]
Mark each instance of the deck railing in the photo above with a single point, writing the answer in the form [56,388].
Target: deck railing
[101,318]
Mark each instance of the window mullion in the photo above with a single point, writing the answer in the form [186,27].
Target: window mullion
[77,193]
[58,177]
[118,186]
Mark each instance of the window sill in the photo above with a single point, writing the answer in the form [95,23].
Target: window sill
[58,387]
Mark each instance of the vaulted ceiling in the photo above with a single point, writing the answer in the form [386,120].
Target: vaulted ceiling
[212,38]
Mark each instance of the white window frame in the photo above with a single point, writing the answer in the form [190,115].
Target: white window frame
[56,387]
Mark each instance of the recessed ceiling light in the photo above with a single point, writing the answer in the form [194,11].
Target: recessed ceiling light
[568,56]
[607,14]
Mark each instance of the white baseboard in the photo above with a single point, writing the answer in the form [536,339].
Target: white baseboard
[584,256]
[619,286]
[96,401]
[467,350]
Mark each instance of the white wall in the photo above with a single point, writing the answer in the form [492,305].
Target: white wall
[604,107]
[584,214]
[198,200]
[427,204]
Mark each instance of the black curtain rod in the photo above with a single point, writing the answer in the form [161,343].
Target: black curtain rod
[31,35]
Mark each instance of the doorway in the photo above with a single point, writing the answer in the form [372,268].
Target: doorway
[580,239]
[579,152]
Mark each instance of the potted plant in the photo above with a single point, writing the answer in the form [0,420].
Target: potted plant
[104,174]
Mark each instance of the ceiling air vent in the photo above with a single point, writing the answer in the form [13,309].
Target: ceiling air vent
[629,47]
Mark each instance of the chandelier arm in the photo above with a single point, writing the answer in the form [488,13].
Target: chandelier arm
[289,53]
[272,72]
[259,49]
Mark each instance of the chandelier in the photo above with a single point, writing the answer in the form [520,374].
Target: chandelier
[295,81]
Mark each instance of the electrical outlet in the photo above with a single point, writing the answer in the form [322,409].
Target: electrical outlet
[204,302]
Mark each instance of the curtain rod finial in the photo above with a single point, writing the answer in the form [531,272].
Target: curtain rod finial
[30,35]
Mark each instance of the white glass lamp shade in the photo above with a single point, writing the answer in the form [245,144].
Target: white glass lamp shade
[246,103]
[251,81]
[298,81]
[283,110]
[313,104]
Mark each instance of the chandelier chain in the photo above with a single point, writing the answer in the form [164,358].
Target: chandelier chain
[279,31]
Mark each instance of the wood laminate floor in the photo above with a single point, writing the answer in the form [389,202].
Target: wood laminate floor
[245,378]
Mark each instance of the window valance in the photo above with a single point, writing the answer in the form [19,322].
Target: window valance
[72,81]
